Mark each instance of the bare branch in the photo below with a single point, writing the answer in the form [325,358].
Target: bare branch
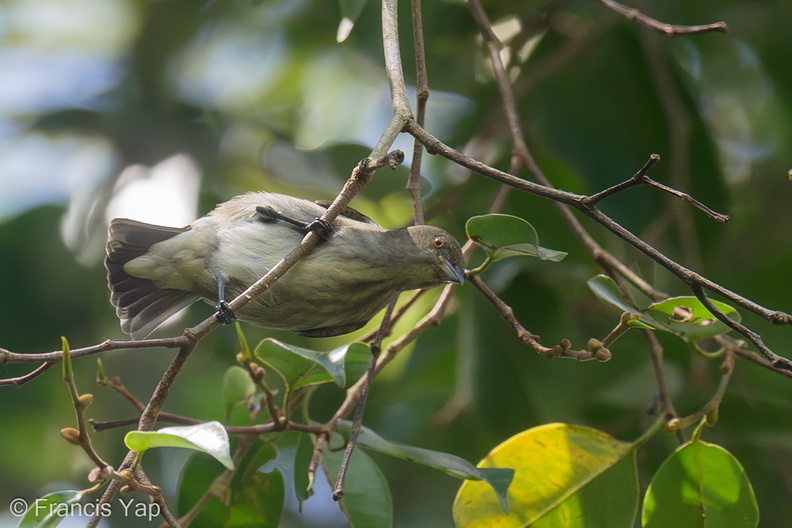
[669,30]
[689,277]
[710,409]
[422,91]
[641,177]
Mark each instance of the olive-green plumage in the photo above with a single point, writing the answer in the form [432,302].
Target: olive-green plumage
[155,271]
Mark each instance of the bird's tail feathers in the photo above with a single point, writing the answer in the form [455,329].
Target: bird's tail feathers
[140,304]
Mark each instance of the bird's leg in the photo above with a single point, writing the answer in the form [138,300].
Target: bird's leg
[224,312]
[319,226]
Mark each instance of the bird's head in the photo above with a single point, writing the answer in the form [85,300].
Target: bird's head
[441,250]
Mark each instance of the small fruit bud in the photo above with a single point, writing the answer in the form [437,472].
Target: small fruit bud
[95,475]
[85,400]
[603,354]
[71,435]
[594,345]
[672,425]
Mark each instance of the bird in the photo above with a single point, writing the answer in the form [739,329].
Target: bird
[357,269]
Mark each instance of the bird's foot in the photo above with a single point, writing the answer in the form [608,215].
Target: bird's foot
[224,313]
[319,226]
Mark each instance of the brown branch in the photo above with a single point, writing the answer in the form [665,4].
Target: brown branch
[710,409]
[608,262]
[80,402]
[641,177]
[656,355]
[669,30]
[354,431]
[563,349]
[422,96]
[691,278]
[430,320]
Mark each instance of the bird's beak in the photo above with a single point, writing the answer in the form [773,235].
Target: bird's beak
[453,273]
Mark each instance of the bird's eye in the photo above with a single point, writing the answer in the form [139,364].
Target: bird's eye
[439,242]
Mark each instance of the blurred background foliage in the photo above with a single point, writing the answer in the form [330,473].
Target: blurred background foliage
[160,109]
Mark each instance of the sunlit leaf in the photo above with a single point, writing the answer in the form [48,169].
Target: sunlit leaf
[561,473]
[688,317]
[301,367]
[48,511]
[606,290]
[503,236]
[701,485]
[209,437]
[684,316]
[498,478]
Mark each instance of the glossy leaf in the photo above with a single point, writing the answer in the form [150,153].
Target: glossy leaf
[684,316]
[498,478]
[209,437]
[367,501]
[701,485]
[301,367]
[503,236]
[564,477]
[48,511]
[688,317]
[606,290]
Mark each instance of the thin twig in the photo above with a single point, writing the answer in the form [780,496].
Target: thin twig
[563,349]
[669,30]
[641,177]
[422,96]
[608,262]
[710,409]
[354,431]
[397,315]
[656,355]
[80,404]
[688,276]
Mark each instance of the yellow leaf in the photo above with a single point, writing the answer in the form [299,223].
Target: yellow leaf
[554,464]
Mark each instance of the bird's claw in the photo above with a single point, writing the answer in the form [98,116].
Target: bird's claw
[224,313]
[321,227]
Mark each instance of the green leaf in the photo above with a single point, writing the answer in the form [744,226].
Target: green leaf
[48,511]
[303,483]
[350,10]
[257,494]
[301,367]
[498,478]
[606,291]
[237,386]
[196,478]
[503,236]
[209,437]
[688,317]
[684,316]
[564,475]
[700,485]
[367,501]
